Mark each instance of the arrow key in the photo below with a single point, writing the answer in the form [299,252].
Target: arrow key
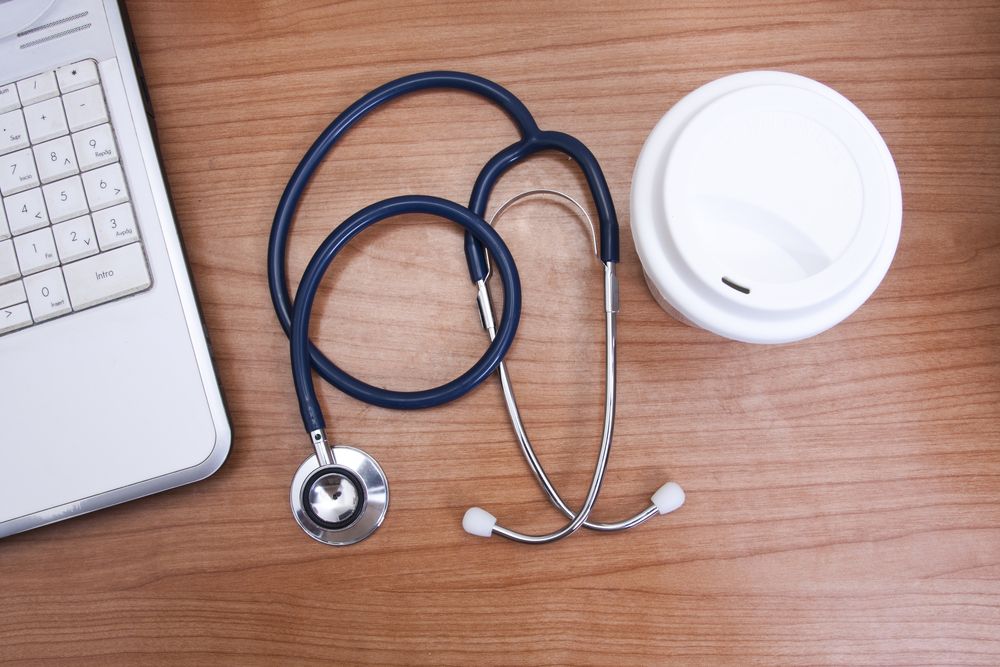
[14,317]
[105,186]
[75,239]
[55,159]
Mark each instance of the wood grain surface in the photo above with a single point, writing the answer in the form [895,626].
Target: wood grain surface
[843,492]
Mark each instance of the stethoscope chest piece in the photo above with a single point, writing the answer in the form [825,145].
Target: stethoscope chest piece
[341,503]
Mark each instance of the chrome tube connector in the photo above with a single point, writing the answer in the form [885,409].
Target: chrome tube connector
[324,455]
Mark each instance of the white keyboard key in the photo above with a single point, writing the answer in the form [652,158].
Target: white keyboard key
[105,187]
[116,226]
[76,76]
[107,276]
[8,98]
[4,229]
[14,318]
[45,120]
[85,108]
[47,295]
[13,132]
[17,172]
[37,88]
[65,199]
[12,293]
[95,147]
[8,262]
[26,211]
[36,251]
[75,239]
[55,159]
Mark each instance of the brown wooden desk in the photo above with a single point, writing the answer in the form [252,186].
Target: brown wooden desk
[843,493]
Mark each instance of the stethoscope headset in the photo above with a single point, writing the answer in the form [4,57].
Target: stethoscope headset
[340,495]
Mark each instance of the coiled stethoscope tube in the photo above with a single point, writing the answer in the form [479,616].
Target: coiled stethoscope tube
[332,494]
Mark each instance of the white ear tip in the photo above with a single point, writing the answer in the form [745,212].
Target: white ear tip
[479,522]
[668,497]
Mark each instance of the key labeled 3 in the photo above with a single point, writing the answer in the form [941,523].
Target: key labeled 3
[116,226]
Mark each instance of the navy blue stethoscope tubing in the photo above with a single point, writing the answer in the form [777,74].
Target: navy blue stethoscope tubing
[312,416]
[478,234]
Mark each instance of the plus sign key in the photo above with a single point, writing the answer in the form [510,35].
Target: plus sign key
[46,120]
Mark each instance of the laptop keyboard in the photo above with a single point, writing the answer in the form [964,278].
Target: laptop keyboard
[68,234]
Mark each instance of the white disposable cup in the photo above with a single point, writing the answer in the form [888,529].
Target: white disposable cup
[765,208]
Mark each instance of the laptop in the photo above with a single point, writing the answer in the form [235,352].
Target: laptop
[107,389]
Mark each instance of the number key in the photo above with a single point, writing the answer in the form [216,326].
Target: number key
[55,159]
[47,295]
[95,147]
[17,172]
[65,199]
[116,226]
[26,211]
[36,251]
[75,239]
[105,186]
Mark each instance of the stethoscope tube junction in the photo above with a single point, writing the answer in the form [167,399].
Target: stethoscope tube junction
[340,495]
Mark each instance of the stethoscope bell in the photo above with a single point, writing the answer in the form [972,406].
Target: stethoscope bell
[342,502]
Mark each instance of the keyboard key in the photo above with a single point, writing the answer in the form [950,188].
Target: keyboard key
[8,262]
[65,199]
[69,236]
[76,76]
[85,108]
[55,159]
[105,187]
[12,293]
[17,172]
[8,98]
[95,147]
[37,88]
[36,251]
[75,239]
[13,318]
[107,276]
[47,295]
[13,132]
[46,120]
[26,211]
[116,226]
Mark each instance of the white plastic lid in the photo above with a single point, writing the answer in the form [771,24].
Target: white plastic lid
[765,207]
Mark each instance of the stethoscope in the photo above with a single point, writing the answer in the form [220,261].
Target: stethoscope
[340,495]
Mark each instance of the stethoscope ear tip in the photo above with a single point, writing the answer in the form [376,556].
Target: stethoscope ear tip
[668,498]
[478,522]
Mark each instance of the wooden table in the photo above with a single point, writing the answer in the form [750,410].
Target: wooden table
[843,492]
